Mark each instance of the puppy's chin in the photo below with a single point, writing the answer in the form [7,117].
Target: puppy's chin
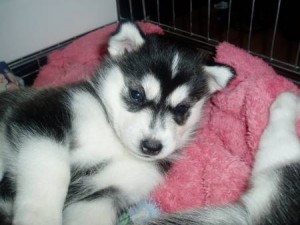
[149,158]
[142,156]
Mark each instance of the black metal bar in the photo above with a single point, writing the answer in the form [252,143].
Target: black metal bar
[173,14]
[208,20]
[118,10]
[191,16]
[131,10]
[297,57]
[158,11]
[251,24]
[275,30]
[228,21]
[144,10]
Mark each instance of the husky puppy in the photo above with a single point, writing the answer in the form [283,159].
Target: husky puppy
[273,197]
[81,154]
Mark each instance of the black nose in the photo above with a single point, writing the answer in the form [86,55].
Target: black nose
[151,147]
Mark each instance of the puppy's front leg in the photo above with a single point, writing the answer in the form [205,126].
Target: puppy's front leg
[43,176]
[101,211]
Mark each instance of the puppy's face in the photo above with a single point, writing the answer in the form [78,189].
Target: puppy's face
[154,91]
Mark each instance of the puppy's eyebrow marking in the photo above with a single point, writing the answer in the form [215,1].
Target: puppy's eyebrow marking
[178,95]
[151,87]
[175,62]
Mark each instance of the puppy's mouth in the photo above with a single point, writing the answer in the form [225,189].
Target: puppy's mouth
[143,156]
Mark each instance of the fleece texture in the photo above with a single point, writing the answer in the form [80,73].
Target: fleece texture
[215,168]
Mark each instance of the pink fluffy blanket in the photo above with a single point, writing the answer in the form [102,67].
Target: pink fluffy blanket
[215,168]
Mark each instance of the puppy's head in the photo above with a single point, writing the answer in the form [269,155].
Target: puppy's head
[154,90]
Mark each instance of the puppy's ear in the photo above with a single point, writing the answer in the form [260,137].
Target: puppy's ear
[219,76]
[127,38]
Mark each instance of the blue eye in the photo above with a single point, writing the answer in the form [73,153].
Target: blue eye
[137,96]
[181,109]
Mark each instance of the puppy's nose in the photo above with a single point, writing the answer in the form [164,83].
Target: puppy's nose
[151,147]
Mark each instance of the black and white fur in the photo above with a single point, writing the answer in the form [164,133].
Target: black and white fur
[81,154]
[273,197]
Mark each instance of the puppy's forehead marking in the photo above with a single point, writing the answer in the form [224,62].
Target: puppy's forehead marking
[115,78]
[152,87]
[178,95]
[175,62]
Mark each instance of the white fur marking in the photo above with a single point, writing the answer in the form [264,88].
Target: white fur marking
[279,146]
[91,130]
[178,95]
[130,184]
[279,143]
[152,87]
[264,188]
[218,77]
[42,182]
[175,62]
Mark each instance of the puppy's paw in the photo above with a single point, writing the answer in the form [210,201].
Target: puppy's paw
[284,107]
[36,217]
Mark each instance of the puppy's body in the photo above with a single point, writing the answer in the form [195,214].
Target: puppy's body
[273,197]
[83,153]
[66,150]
